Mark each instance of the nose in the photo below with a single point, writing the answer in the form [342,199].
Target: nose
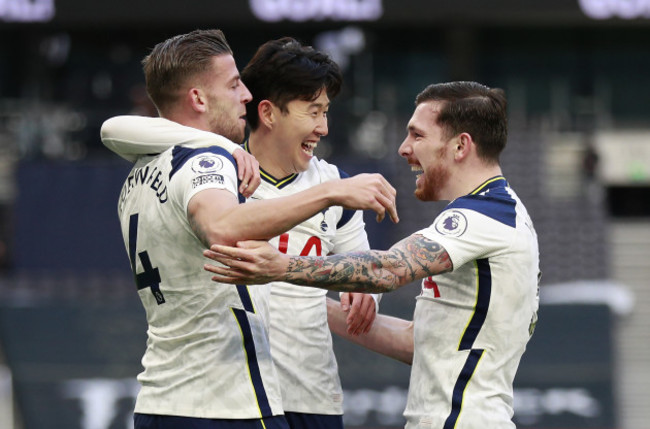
[405,149]
[321,127]
[246,94]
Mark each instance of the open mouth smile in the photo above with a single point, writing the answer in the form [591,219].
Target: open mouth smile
[308,148]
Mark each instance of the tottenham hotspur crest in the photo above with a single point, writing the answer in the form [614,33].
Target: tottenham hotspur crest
[323,224]
[451,222]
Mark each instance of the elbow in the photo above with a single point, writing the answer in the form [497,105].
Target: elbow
[219,236]
[213,233]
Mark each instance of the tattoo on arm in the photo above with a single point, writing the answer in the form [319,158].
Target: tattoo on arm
[411,259]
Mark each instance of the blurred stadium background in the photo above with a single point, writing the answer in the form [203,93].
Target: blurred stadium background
[577,75]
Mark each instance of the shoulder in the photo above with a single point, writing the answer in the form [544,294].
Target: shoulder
[326,170]
[202,160]
[496,203]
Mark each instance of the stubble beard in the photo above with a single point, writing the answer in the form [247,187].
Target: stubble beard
[435,178]
[232,131]
[225,125]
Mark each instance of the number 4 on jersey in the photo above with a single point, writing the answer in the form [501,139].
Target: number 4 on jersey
[150,277]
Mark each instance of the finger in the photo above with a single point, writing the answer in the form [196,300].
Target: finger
[215,269]
[211,254]
[233,252]
[229,262]
[240,159]
[253,183]
[369,314]
[252,175]
[225,279]
[354,318]
[345,302]
[381,213]
[256,180]
[243,188]
[244,245]
[245,181]
[388,204]
[222,274]
[390,188]
[392,213]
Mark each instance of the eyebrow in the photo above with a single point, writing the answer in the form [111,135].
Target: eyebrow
[413,128]
[319,105]
[234,78]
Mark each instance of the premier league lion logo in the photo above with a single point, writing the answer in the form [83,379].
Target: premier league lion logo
[208,163]
[451,222]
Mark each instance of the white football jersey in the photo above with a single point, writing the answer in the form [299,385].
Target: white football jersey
[301,342]
[207,352]
[300,338]
[471,325]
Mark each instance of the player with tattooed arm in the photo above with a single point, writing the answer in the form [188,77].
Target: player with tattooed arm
[208,361]
[478,262]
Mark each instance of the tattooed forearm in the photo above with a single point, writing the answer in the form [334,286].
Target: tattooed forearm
[352,272]
[372,271]
[427,253]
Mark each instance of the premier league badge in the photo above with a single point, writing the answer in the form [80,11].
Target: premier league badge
[207,163]
[451,222]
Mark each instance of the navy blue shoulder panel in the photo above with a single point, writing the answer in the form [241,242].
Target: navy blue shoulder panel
[347,213]
[496,203]
[180,155]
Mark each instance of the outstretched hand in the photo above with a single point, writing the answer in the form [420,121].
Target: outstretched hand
[252,262]
[369,192]
[248,172]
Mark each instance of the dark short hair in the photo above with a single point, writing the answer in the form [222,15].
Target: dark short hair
[473,108]
[284,70]
[176,60]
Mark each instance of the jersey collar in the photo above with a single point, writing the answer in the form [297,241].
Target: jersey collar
[264,175]
[494,182]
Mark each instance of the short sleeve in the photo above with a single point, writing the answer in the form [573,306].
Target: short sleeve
[351,236]
[194,170]
[468,235]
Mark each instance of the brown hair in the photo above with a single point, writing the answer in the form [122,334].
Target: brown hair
[473,108]
[176,60]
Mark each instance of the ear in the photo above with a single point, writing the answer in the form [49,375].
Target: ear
[462,146]
[266,113]
[198,100]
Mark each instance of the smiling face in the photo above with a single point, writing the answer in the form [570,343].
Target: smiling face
[426,149]
[297,131]
[227,97]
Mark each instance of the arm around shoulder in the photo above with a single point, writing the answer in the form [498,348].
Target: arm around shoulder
[131,136]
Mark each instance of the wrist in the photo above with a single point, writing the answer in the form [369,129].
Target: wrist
[229,146]
[329,192]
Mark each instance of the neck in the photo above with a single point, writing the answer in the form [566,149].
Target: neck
[263,149]
[193,121]
[470,180]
